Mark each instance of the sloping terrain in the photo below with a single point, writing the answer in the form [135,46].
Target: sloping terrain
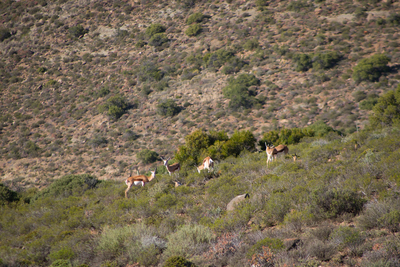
[64,60]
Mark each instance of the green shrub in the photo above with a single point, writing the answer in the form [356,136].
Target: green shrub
[333,202]
[238,92]
[348,237]
[178,261]
[97,141]
[370,69]
[325,60]
[61,263]
[391,221]
[41,70]
[251,44]
[239,141]
[217,59]
[168,108]
[65,253]
[387,110]
[394,19]
[193,30]
[274,244]
[154,29]
[369,103]
[115,106]
[147,156]
[195,18]
[188,240]
[77,31]
[296,6]
[68,185]
[303,62]
[7,195]
[4,34]
[158,39]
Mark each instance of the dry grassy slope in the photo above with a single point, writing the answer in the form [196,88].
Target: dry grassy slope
[64,117]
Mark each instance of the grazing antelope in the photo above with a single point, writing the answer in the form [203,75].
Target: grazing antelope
[171,168]
[274,152]
[208,164]
[139,180]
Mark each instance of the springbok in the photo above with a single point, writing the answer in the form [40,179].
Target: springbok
[208,164]
[171,168]
[274,152]
[139,180]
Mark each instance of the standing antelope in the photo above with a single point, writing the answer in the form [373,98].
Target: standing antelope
[208,164]
[274,152]
[139,180]
[171,168]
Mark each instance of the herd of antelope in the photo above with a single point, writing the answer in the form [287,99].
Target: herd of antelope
[208,164]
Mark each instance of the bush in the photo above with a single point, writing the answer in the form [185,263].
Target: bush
[195,18]
[68,185]
[369,103]
[303,62]
[168,108]
[154,29]
[77,31]
[334,202]
[115,106]
[193,30]
[370,69]
[251,44]
[387,110]
[7,195]
[239,141]
[274,244]
[61,263]
[238,92]
[325,60]
[4,34]
[158,39]
[188,240]
[147,156]
[178,261]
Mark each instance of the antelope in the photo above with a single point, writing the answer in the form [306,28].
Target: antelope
[274,152]
[171,168]
[295,157]
[177,183]
[138,180]
[208,164]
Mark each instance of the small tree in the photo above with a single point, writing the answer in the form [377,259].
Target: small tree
[370,69]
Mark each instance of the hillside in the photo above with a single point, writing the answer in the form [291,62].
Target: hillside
[87,85]
[93,91]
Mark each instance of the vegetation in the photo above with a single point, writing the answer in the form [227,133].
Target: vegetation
[90,90]
[370,69]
